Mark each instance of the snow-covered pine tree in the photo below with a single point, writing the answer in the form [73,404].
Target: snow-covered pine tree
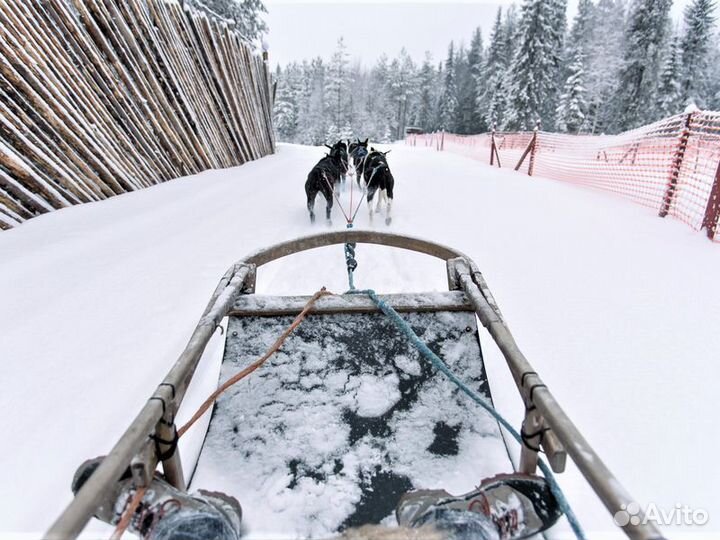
[713,89]
[509,35]
[571,111]
[337,85]
[245,14]
[425,113]
[401,88]
[603,62]
[439,86]
[489,102]
[580,37]
[448,99]
[694,49]
[534,72]
[581,33]
[669,98]
[314,122]
[285,114]
[645,35]
[465,88]
[332,135]
[378,104]
[477,83]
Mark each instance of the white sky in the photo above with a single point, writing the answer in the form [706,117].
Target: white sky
[300,29]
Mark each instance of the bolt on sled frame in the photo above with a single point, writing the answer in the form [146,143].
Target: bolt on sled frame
[545,425]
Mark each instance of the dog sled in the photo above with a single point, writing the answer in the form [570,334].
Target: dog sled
[363,398]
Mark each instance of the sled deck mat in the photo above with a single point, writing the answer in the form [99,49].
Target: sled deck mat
[347,416]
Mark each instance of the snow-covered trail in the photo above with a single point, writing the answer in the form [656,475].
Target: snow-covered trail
[617,309]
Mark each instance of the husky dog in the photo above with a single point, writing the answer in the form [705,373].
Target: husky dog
[323,177]
[358,152]
[378,179]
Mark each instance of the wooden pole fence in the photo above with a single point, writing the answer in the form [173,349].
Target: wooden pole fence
[103,97]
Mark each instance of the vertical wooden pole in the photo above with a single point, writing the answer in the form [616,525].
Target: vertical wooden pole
[675,167]
[529,150]
[712,211]
[533,147]
[492,145]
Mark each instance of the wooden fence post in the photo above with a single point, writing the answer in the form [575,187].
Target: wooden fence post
[533,148]
[675,167]
[530,150]
[493,147]
[442,140]
[712,211]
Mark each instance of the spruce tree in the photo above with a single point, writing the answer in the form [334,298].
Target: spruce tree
[315,123]
[285,110]
[401,87]
[603,62]
[571,111]
[378,107]
[475,84]
[669,97]
[713,88]
[465,88]
[493,72]
[580,37]
[635,101]
[695,45]
[448,99]
[534,72]
[425,116]
[581,34]
[246,15]
[337,85]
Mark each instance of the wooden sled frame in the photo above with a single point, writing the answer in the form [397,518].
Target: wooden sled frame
[137,450]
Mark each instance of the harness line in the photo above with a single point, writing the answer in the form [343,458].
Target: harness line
[438,363]
[332,189]
[441,366]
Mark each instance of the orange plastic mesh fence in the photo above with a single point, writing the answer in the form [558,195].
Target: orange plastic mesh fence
[672,166]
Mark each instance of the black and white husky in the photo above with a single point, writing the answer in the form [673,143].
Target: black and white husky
[358,152]
[378,179]
[324,176]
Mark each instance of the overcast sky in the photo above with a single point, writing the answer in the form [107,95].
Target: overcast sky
[300,30]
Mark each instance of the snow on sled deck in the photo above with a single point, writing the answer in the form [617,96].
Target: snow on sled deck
[356,397]
[347,416]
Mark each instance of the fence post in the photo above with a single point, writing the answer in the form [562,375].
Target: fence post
[531,166]
[675,167]
[442,140]
[712,212]
[530,150]
[492,145]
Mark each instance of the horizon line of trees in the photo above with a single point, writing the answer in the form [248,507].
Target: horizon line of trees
[619,66]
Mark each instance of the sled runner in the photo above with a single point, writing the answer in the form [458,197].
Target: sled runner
[350,412]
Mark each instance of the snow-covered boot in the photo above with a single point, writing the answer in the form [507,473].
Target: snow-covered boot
[166,513]
[504,507]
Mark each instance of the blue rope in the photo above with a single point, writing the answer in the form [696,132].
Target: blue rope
[350,259]
[443,368]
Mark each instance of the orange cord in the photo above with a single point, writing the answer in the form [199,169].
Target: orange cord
[137,498]
[252,367]
[127,514]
